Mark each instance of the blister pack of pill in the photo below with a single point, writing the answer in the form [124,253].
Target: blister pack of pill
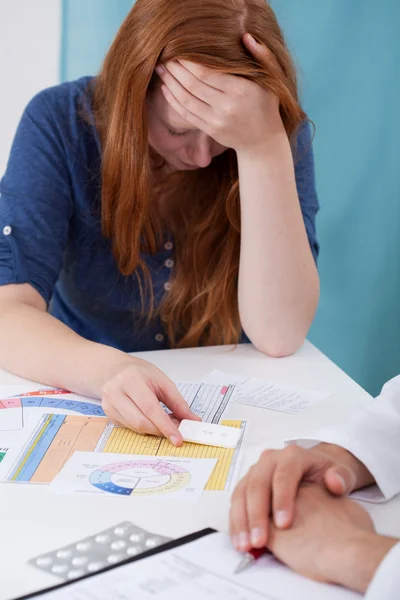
[97,551]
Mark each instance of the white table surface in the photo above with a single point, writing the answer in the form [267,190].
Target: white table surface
[32,521]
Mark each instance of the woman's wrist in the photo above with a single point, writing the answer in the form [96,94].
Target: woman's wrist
[273,149]
[102,363]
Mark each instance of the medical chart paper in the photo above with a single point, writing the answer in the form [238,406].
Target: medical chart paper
[19,403]
[164,478]
[199,570]
[41,449]
[266,394]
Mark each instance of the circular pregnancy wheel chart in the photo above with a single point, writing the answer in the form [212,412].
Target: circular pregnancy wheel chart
[140,477]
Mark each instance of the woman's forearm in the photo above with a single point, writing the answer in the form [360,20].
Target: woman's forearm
[278,279]
[35,345]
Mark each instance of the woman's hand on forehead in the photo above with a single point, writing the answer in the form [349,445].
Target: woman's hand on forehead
[234,111]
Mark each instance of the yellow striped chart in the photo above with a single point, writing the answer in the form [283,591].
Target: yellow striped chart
[57,437]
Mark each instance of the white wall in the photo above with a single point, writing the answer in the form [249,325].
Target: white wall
[30,35]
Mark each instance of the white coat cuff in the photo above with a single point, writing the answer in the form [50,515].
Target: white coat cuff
[386,582]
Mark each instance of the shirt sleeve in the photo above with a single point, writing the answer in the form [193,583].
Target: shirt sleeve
[386,583]
[372,434]
[305,181]
[35,200]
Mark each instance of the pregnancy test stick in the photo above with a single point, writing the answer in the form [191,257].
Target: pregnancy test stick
[209,434]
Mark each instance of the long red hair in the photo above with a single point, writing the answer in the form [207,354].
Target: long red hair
[202,306]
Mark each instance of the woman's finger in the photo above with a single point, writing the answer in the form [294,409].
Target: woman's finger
[238,523]
[211,77]
[175,420]
[114,416]
[128,414]
[185,114]
[192,84]
[167,392]
[261,53]
[186,104]
[149,404]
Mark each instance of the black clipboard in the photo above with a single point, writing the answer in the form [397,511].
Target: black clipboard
[163,548]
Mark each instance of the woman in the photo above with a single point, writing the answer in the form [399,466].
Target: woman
[156,206]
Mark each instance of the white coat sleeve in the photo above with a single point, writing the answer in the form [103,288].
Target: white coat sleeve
[372,434]
[386,582]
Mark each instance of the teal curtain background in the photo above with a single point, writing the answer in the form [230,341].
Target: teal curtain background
[348,56]
[88,27]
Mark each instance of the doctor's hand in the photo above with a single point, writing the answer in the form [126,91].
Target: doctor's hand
[132,396]
[271,486]
[332,540]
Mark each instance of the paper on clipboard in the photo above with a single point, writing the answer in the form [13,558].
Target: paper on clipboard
[200,570]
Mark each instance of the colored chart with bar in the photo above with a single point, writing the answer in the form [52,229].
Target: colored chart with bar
[124,441]
[85,408]
[56,437]
[206,400]
[57,400]
[11,419]
[140,477]
[52,442]
[10,403]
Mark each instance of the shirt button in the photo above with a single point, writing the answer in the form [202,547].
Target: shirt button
[169,263]
[168,245]
[7,230]
[167,286]
[159,337]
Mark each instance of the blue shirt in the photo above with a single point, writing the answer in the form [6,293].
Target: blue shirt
[50,224]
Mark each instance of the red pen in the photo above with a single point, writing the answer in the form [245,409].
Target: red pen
[250,558]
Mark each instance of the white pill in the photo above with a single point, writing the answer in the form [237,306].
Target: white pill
[152,542]
[83,546]
[136,537]
[133,550]
[58,569]
[44,561]
[79,561]
[114,558]
[121,530]
[95,566]
[64,553]
[118,545]
[102,538]
[74,573]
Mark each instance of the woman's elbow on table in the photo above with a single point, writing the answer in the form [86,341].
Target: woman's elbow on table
[277,347]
